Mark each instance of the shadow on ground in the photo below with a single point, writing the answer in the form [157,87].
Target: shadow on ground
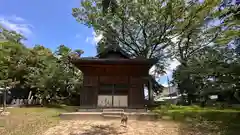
[205,123]
[63,107]
[100,130]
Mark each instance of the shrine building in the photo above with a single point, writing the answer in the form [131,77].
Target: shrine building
[114,80]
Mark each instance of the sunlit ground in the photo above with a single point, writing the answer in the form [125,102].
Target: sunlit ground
[45,121]
[113,127]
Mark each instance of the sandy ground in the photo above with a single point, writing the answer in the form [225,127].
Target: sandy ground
[113,127]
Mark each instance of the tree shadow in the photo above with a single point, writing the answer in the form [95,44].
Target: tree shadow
[204,123]
[100,130]
[64,108]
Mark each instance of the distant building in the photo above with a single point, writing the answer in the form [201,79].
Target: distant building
[169,94]
[172,90]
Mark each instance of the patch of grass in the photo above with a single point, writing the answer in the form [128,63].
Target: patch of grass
[63,107]
[29,121]
[205,120]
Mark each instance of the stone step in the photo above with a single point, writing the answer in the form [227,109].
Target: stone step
[112,113]
[113,110]
[111,116]
[89,110]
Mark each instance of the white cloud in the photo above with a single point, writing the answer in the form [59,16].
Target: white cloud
[94,39]
[16,18]
[17,24]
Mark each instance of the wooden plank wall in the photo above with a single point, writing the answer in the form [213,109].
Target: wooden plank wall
[136,92]
[88,95]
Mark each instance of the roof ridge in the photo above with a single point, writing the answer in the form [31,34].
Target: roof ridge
[114,48]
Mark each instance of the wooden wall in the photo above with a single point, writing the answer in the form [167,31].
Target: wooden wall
[89,93]
[131,76]
[136,92]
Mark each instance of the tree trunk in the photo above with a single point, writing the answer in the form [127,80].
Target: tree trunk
[4,100]
[189,98]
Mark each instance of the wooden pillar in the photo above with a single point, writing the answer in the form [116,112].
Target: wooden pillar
[113,88]
[97,91]
[129,93]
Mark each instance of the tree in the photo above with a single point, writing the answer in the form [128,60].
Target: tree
[195,31]
[10,35]
[106,4]
[141,28]
[10,66]
[211,71]
[50,76]
[229,14]
[11,61]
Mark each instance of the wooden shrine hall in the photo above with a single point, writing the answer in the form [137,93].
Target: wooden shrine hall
[113,80]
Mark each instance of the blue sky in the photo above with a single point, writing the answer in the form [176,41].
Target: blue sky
[50,23]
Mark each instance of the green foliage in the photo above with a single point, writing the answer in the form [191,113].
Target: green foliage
[49,75]
[112,4]
[183,30]
[142,28]
[203,120]
[211,71]
[153,28]
[11,62]
[229,21]
[10,35]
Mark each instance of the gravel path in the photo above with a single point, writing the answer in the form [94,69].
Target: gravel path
[113,127]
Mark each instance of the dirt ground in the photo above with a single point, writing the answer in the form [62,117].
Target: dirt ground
[113,127]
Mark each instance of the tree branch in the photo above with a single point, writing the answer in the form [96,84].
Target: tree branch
[203,46]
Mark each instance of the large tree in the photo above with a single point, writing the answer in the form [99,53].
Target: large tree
[50,76]
[141,27]
[196,30]
[211,71]
[229,14]
[147,27]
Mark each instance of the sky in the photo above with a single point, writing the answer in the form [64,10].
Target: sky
[50,23]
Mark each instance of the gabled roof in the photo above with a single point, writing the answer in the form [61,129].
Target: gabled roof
[113,54]
[116,49]
[94,60]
